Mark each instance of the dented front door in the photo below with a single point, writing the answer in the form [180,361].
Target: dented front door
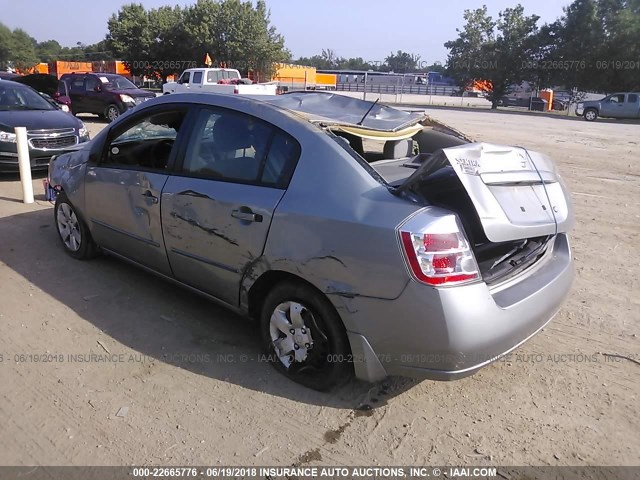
[214,230]
[123,206]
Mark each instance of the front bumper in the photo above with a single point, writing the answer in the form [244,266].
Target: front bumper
[450,333]
[39,159]
[9,161]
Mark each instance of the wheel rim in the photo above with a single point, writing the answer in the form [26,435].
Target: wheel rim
[590,115]
[68,227]
[112,113]
[290,328]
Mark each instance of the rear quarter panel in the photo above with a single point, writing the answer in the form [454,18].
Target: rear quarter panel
[335,227]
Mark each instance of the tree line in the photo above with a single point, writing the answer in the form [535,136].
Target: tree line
[594,45]
[399,62]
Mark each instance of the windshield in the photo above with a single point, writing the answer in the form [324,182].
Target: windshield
[21,98]
[117,83]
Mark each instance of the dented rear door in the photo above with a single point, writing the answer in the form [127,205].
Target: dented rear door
[214,230]
[517,193]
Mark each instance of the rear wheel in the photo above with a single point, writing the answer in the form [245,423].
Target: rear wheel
[112,112]
[591,115]
[73,232]
[304,337]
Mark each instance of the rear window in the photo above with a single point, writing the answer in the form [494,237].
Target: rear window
[346,145]
[633,98]
[213,76]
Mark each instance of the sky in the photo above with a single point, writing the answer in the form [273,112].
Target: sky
[368,28]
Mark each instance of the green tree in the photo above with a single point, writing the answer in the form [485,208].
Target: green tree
[402,62]
[620,50]
[98,51]
[23,55]
[494,50]
[168,39]
[48,51]
[236,33]
[170,45]
[129,37]
[6,45]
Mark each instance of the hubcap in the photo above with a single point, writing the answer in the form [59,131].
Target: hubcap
[590,115]
[68,227]
[290,332]
[112,113]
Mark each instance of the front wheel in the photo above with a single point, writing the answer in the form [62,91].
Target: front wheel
[591,115]
[73,232]
[304,337]
[112,112]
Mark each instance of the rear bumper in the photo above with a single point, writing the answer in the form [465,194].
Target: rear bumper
[450,333]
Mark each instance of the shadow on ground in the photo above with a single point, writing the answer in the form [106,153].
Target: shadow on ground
[161,320]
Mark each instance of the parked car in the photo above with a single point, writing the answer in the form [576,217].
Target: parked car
[429,265]
[8,75]
[50,131]
[514,101]
[104,94]
[617,105]
[50,87]
[217,80]
[561,99]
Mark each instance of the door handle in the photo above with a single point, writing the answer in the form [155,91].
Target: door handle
[150,196]
[246,215]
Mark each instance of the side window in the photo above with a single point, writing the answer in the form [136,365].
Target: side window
[62,88]
[231,146]
[146,143]
[281,160]
[197,78]
[617,98]
[77,85]
[632,98]
[184,78]
[91,83]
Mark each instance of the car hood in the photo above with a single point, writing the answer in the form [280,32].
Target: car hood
[138,92]
[37,119]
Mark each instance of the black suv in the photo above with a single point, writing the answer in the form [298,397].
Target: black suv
[105,94]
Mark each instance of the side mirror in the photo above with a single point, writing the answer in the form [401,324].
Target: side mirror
[97,88]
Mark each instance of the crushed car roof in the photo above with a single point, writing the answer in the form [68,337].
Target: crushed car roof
[333,109]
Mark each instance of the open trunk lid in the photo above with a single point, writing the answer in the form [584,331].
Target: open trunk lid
[516,193]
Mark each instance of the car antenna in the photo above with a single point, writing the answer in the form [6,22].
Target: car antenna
[370,108]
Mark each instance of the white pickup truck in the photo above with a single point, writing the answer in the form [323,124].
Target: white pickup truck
[216,80]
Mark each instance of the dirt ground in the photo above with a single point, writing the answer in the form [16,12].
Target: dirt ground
[175,380]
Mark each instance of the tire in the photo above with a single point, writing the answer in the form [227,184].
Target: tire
[111,112]
[322,360]
[591,114]
[72,230]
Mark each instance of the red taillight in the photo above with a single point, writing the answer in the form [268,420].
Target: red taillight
[440,242]
[438,252]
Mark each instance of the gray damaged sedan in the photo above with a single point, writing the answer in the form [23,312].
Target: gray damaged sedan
[363,239]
